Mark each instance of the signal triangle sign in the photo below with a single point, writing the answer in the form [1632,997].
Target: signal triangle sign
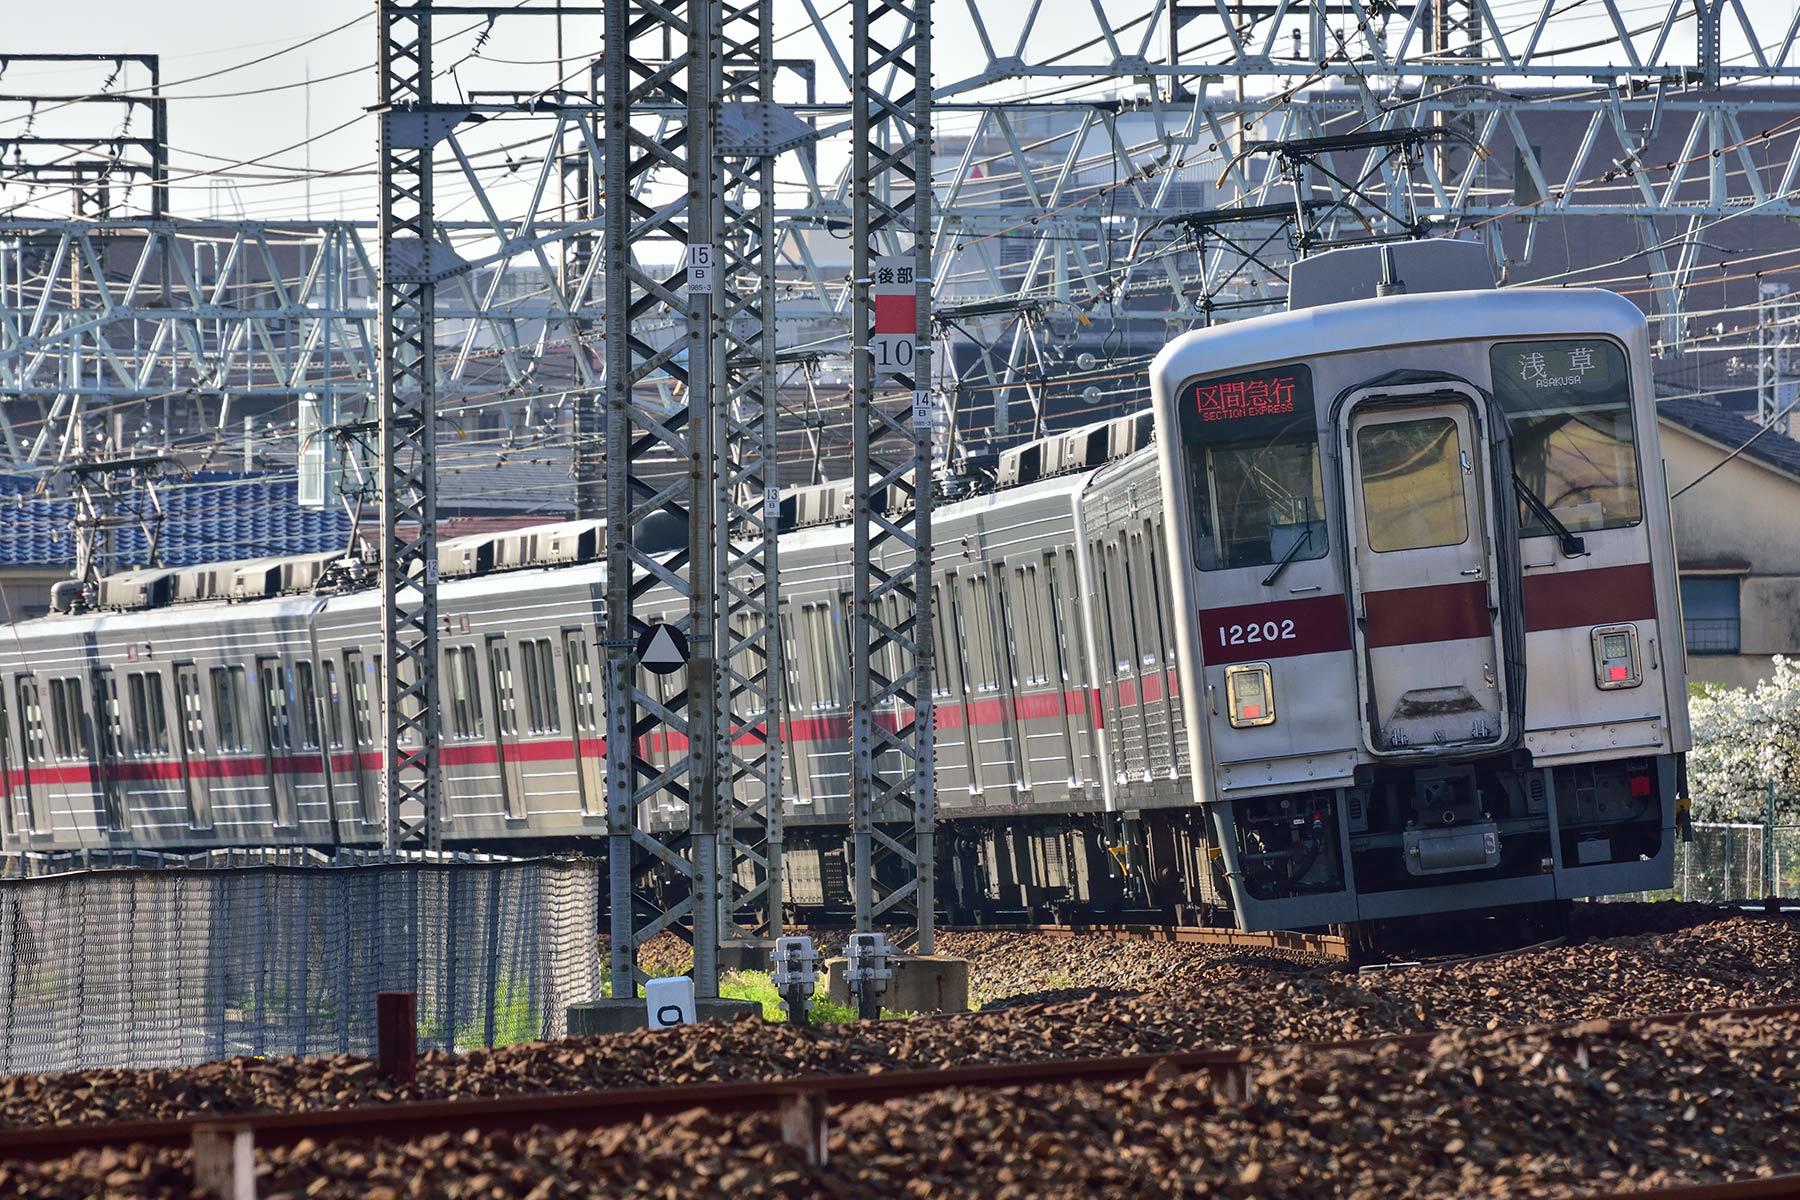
[662,650]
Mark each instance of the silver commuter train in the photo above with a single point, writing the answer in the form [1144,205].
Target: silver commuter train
[1411,553]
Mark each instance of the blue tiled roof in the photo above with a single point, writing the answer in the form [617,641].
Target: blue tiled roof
[212,517]
[1733,430]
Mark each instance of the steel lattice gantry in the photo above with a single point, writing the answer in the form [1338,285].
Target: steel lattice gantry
[1071,206]
[660,107]
[891,719]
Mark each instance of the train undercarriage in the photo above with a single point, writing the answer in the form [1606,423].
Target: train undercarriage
[1509,837]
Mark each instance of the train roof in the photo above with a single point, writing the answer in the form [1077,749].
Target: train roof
[1404,320]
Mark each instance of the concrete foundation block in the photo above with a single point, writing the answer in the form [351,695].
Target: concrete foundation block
[747,954]
[621,1016]
[921,983]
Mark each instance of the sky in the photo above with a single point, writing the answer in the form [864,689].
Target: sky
[215,117]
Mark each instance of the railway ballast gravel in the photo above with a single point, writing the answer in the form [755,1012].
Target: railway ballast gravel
[1230,1000]
[1591,1108]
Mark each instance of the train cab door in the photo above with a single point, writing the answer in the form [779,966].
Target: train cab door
[1423,566]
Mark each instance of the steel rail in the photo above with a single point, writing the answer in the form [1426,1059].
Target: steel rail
[1320,944]
[1774,1187]
[801,1101]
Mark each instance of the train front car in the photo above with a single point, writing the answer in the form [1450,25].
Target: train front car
[1428,603]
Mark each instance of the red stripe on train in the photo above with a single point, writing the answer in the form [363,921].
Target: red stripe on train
[485,752]
[1597,596]
[1446,612]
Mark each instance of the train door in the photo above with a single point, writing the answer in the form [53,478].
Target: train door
[150,741]
[1423,573]
[506,727]
[277,710]
[109,749]
[584,738]
[1063,625]
[191,720]
[1020,676]
[955,762]
[359,694]
[797,762]
[35,754]
[989,742]
[7,776]
[345,775]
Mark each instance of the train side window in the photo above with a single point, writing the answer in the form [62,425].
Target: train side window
[1118,629]
[1010,622]
[820,679]
[112,729]
[356,682]
[31,721]
[307,698]
[506,702]
[790,656]
[1037,640]
[68,719]
[1159,583]
[978,630]
[1412,484]
[1140,587]
[277,704]
[193,715]
[580,665]
[228,707]
[464,692]
[539,669]
[947,650]
[334,711]
[1568,414]
[149,716]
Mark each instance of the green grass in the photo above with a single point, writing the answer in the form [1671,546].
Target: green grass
[758,987]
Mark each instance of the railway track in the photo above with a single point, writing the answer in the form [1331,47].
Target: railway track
[1321,945]
[223,1147]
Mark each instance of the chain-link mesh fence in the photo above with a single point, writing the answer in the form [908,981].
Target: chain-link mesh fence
[1733,861]
[1738,861]
[162,967]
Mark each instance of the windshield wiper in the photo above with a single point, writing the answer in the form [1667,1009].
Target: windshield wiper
[1572,546]
[1272,576]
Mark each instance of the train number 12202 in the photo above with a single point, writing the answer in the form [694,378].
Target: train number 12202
[1255,631]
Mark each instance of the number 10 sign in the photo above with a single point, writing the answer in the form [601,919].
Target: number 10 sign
[896,331]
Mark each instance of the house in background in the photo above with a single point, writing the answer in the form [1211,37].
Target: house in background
[1737,539]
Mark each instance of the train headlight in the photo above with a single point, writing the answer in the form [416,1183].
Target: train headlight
[1250,691]
[1616,663]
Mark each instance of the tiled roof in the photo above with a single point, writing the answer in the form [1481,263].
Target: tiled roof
[212,517]
[1731,430]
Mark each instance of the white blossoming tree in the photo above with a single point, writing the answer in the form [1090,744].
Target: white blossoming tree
[1743,738]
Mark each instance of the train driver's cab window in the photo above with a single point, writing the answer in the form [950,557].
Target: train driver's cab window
[1568,411]
[1253,461]
[1412,484]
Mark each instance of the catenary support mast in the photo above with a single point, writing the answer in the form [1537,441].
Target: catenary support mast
[410,127]
[892,786]
[660,196]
